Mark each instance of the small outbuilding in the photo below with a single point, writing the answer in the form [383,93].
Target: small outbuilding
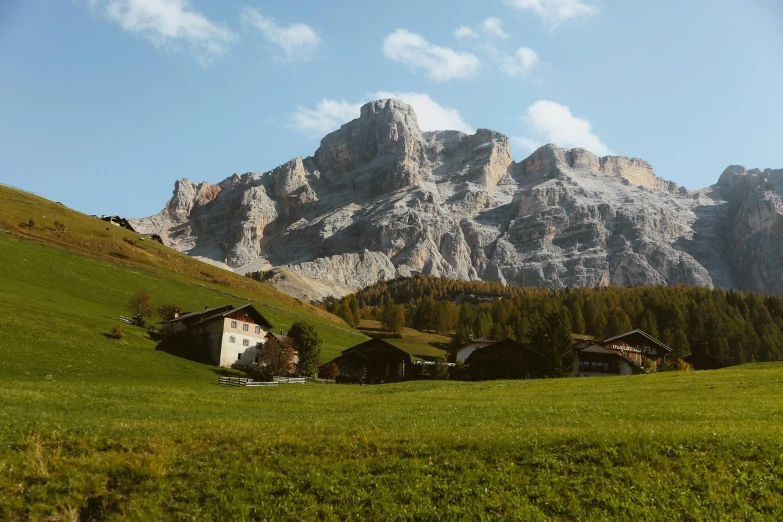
[506,359]
[703,361]
[371,362]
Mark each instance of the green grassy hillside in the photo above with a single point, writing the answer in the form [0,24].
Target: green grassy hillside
[97,429]
[77,282]
[676,446]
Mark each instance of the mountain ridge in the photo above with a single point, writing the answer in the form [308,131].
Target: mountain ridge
[381,199]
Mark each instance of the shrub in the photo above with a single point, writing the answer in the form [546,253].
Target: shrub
[118,332]
[329,371]
[167,312]
[682,366]
[141,306]
[31,222]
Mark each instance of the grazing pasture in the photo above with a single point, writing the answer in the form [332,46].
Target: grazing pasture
[97,428]
[695,446]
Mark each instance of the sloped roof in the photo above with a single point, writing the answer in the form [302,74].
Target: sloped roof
[506,343]
[638,332]
[210,311]
[224,311]
[598,349]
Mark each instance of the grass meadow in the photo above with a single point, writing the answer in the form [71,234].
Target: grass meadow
[686,446]
[93,428]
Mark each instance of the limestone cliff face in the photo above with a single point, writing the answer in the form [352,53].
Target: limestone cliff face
[380,199]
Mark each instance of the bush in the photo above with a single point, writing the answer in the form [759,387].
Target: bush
[118,332]
[329,371]
[31,222]
[682,366]
[259,372]
[167,312]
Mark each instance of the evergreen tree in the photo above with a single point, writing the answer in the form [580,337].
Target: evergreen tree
[577,319]
[550,336]
[649,324]
[307,343]
[679,345]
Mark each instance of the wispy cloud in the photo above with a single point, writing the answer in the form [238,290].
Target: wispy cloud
[550,122]
[521,63]
[439,63]
[329,115]
[554,13]
[464,31]
[169,24]
[493,27]
[297,41]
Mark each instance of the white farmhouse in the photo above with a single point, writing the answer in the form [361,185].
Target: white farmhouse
[223,336]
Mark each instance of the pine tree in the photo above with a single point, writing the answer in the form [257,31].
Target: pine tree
[550,335]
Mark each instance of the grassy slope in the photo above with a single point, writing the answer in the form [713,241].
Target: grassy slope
[699,446]
[413,341]
[123,431]
[115,264]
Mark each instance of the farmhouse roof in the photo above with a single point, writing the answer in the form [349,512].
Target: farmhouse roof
[209,314]
[505,344]
[639,334]
[210,311]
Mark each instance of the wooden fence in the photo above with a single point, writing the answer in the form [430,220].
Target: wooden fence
[290,380]
[243,381]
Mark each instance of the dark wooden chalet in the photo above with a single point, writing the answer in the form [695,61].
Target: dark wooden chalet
[373,361]
[506,359]
[638,347]
[703,361]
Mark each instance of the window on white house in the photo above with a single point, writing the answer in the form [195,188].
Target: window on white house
[233,324]
[245,342]
[246,327]
[239,356]
[258,329]
[232,339]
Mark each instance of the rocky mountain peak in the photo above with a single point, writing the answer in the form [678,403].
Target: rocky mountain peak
[381,199]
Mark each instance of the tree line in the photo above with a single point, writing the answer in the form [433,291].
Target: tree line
[732,326]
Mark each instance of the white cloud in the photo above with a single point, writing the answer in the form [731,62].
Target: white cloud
[464,31]
[520,63]
[440,63]
[553,13]
[329,115]
[298,41]
[166,23]
[493,27]
[431,115]
[550,122]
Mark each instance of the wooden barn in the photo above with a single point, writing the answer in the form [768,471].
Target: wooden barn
[703,361]
[623,354]
[371,362]
[506,359]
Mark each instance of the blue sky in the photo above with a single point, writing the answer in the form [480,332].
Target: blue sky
[104,103]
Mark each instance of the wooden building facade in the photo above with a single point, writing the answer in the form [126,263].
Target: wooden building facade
[624,354]
[372,362]
[506,359]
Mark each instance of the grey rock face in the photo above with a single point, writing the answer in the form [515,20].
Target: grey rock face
[380,199]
